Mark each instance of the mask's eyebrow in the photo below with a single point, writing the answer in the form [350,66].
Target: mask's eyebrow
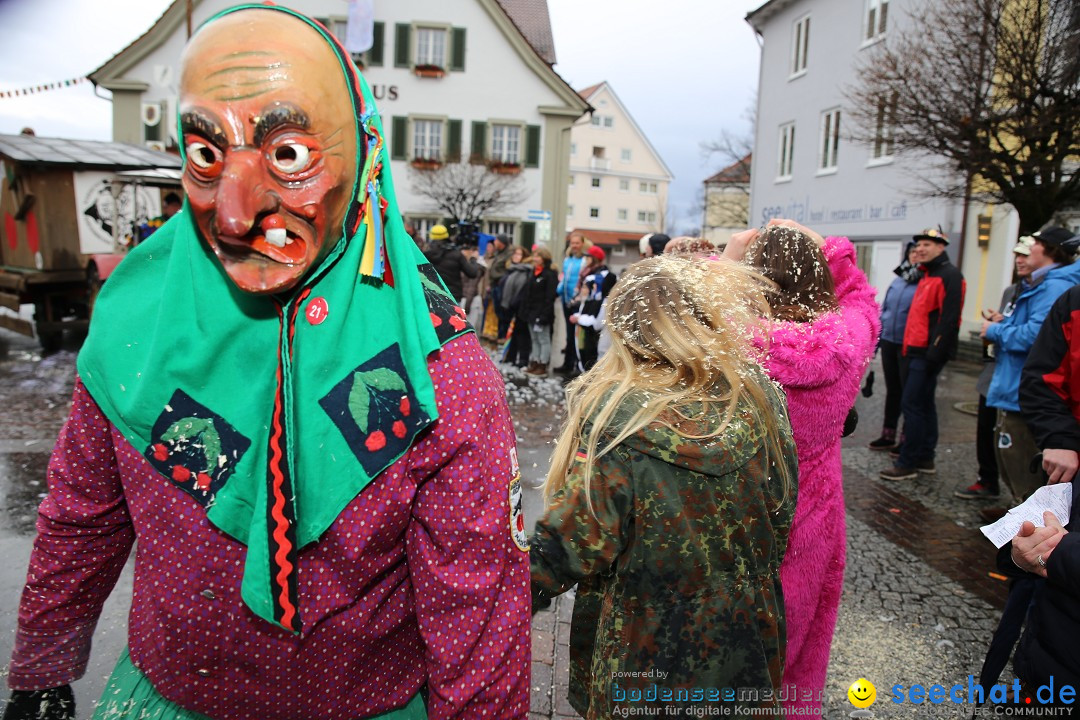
[205,125]
[275,117]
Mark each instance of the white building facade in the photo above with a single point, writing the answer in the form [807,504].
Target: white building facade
[471,79]
[806,168]
[618,182]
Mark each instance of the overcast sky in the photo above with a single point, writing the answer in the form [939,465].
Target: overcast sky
[685,69]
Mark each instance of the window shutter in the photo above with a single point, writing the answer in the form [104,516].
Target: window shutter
[479,142]
[453,141]
[532,146]
[402,36]
[528,234]
[374,55]
[399,136]
[457,50]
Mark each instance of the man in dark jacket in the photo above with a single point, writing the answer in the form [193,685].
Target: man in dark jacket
[930,340]
[1050,388]
[450,261]
[1049,649]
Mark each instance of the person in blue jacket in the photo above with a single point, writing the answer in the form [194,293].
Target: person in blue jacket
[1053,272]
[987,485]
[894,312]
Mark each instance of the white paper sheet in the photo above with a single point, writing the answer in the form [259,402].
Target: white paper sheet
[1055,498]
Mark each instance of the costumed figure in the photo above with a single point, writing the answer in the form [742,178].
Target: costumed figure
[291,433]
[669,500]
[822,336]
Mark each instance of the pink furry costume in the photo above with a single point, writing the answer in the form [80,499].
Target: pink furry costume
[820,365]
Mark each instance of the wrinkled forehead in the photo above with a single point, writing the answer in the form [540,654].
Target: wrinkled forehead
[263,54]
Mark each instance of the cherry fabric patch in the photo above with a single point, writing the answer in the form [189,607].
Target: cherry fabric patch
[195,447]
[376,410]
[447,317]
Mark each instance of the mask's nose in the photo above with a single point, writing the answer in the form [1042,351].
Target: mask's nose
[241,195]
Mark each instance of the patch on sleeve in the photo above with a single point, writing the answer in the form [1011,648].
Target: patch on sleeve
[447,318]
[581,456]
[517,516]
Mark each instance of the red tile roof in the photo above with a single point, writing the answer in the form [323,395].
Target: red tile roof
[534,22]
[608,238]
[737,172]
[586,92]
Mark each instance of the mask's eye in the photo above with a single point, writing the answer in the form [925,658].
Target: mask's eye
[204,159]
[291,158]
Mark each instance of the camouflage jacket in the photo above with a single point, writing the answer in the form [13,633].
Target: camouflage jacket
[678,572]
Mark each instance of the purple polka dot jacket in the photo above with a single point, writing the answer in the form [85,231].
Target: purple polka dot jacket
[419,582]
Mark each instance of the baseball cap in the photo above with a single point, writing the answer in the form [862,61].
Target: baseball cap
[1023,245]
[932,234]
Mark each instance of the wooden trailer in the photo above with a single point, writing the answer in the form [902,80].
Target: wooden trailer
[69,209]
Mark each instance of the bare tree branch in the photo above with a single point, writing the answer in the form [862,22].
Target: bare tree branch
[987,91]
[467,192]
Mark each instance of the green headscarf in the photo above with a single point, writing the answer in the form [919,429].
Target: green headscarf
[275,412]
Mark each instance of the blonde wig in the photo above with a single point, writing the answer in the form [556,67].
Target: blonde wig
[682,332]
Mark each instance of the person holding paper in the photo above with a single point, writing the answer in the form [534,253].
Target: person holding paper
[1050,401]
[1050,388]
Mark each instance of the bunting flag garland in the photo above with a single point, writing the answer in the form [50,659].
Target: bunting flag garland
[35,89]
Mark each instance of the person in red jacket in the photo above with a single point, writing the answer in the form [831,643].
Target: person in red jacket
[1050,402]
[1050,388]
[930,339]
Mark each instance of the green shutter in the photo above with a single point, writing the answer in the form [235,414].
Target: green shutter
[453,141]
[532,146]
[528,234]
[457,50]
[374,55]
[479,142]
[402,37]
[399,137]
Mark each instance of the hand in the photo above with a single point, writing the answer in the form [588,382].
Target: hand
[55,704]
[985,325]
[992,315]
[573,318]
[740,241]
[1032,544]
[1060,465]
[816,237]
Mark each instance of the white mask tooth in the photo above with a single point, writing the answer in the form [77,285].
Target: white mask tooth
[277,237]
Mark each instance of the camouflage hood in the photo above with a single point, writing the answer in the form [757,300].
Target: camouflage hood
[670,437]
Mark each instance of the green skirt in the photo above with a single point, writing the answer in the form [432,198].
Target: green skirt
[130,696]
